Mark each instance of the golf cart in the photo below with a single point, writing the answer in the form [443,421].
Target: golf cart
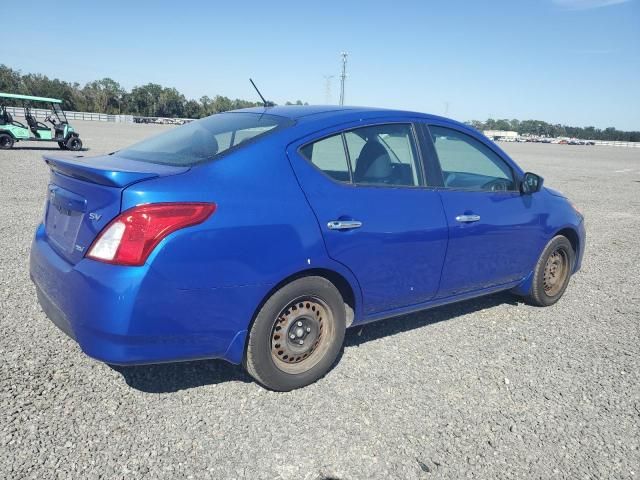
[12,131]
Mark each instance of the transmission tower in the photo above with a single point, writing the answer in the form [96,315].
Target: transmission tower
[343,75]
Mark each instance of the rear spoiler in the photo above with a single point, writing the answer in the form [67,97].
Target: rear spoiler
[109,170]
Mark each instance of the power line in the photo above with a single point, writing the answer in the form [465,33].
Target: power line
[327,88]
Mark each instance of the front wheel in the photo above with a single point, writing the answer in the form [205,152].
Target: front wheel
[296,335]
[6,141]
[552,272]
[62,145]
[74,144]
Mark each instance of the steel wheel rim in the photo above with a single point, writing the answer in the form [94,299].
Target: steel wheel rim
[301,334]
[556,271]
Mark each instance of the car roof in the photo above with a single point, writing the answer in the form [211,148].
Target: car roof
[295,112]
[321,113]
[15,96]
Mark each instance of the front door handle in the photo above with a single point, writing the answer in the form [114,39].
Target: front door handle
[467,218]
[343,224]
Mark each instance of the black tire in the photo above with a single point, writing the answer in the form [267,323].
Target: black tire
[62,145]
[552,272]
[6,141]
[74,144]
[312,310]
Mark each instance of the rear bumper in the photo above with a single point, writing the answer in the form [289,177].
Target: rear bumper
[130,315]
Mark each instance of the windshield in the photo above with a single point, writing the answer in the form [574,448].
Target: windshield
[57,110]
[203,139]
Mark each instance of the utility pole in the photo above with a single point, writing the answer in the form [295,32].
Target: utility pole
[343,75]
[327,88]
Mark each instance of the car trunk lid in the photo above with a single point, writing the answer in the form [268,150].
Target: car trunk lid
[85,194]
[110,170]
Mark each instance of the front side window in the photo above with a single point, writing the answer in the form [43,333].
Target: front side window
[203,139]
[467,163]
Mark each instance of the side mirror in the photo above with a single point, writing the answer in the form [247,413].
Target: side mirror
[531,183]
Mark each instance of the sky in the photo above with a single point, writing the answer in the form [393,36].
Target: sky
[575,62]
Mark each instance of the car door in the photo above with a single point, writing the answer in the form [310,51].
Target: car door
[494,230]
[367,189]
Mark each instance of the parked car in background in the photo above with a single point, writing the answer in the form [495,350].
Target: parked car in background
[259,235]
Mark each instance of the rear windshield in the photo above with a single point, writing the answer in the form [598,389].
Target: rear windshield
[203,139]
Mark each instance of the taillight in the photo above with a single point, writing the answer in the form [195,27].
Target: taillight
[130,237]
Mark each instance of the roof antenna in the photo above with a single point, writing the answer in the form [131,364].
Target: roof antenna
[264,102]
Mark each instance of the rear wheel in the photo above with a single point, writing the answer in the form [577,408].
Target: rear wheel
[74,143]
[62,145]
[297,334]
[6,141]
[552,272]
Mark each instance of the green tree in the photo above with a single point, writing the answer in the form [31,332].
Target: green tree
[170,103]
[104,95]
[192,109]
[144,100]
[477,124]
[222,104]
[10,80]
[502,125]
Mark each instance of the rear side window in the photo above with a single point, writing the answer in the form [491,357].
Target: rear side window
[382,155]
[329,156]
[469,164]
[203,139]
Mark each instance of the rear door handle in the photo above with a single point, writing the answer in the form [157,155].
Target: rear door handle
[343,224]
[467,218]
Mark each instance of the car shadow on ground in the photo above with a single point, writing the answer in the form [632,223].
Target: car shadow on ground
[385,328]
[173,377]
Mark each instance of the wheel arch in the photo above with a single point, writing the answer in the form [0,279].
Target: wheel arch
[337,279]
[8,132]
[344,286]
[573,237]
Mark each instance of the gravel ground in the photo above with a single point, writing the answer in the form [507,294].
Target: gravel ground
[489,388]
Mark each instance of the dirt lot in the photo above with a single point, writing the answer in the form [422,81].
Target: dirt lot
[489,388]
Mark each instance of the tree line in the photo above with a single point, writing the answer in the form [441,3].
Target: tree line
[108,96]
[153,100]
[540,128]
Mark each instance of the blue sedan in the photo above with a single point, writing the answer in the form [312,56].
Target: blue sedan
[258,236]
